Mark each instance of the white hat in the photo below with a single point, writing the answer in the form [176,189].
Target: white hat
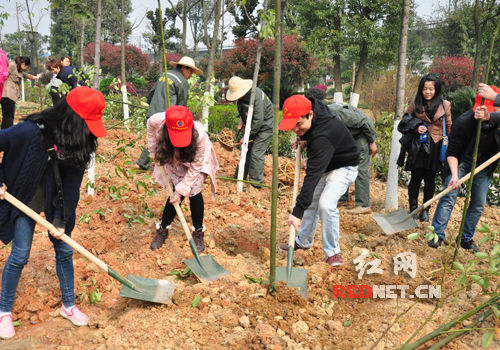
[188,62]
[238,88]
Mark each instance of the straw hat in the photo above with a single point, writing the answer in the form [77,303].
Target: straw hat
[238,88]
[188,62]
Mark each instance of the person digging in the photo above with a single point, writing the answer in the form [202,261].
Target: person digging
[332,166]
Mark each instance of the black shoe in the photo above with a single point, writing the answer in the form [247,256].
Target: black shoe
[435,244]
[159,238]
[469,245]
[424,215]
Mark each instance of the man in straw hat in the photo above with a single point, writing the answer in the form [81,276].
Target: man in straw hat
[332,166]
[178,92]
[459,157]
[262,125]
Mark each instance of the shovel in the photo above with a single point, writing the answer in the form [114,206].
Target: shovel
[148,289]
[204,267]
[400,220]
[294,277]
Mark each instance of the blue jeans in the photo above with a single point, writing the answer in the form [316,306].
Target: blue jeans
[329,189]
[19,255]
[478,195]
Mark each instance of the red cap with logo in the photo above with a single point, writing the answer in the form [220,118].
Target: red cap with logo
[487,103]
[179,121]
[295,106]
[89,105]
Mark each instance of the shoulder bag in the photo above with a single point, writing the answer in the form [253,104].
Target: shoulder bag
[444,144]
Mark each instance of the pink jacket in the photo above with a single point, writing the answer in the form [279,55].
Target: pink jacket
[184,175]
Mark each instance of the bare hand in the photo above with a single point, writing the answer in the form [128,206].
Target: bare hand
[294,221]
[176,198]
[240,125]
[486,91]
[422,129]
[373,148]
[482,113]
[454,182]
[3,189]
[57,234]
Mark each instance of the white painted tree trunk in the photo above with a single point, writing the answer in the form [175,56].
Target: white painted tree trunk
[91,175]
[244,146]
[125,106]
[391,194]
[354,100]
[338,97]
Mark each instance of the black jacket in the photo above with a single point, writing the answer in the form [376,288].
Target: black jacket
[330,146]
[410,141]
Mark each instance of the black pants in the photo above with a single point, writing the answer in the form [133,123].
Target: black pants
[197,211]
[417,175]
[8,110]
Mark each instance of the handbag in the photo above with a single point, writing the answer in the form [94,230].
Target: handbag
[444,145]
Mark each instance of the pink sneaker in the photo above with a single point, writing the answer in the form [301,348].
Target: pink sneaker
[335,260]
[74,314]
[6,327]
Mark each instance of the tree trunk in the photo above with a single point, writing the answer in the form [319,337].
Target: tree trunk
[95,85]
[477,54]
[391,194]
[184,26]
[123,71]
[82,42]
[363,59]
[211,59]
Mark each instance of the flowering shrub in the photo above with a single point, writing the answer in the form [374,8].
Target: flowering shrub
[297,62]
[116,86]
[454,71]
[320,87]
[136,62]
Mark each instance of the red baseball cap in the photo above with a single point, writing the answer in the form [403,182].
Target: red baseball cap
[179,121]
[89,105]
[295,106]
[487,103]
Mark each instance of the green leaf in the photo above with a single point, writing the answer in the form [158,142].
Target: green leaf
[253,279]
[481,255]
[347,323]
[458,266]
[196,301]
[430,228]
[412,236]
[461,279]
[484,228]
[496,249]
[487,338]
[16,323]
[475,278]
[485,239]
[495,311]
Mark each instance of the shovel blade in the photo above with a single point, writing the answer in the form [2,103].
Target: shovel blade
[395,221]
[206,268]
[149,289]
[298,278]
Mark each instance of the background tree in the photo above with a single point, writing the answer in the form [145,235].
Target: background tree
[182,9]
[10,44]
[245,19]
[170,31]
[136,62]
[196,22]
[111,23]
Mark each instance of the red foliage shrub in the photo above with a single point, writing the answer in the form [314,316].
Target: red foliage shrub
[136,62]
[297,62]
[454,71]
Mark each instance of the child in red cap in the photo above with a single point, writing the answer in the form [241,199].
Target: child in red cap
[182,147]
[43,164]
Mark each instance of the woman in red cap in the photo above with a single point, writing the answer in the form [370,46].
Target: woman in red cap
[43,164]
[182,147]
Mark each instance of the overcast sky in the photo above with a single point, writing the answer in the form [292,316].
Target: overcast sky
[425,8]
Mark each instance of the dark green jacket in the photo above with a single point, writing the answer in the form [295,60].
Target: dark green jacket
[358,123]
[262,117]
[178,90]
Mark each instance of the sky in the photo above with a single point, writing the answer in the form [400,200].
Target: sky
[41,20]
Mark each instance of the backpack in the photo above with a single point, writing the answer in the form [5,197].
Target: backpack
[4,69]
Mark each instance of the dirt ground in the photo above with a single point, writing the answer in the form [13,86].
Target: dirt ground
[232,313]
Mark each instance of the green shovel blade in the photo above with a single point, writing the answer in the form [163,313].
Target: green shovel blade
[395,221]
[204,266]
[148,289]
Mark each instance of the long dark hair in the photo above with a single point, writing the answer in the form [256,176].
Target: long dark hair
[165,151]
[22,59]
[61,126]
[421,103]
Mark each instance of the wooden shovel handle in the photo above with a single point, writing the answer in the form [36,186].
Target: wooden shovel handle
[461,181]
[65,238]
[296,180]
[176,205]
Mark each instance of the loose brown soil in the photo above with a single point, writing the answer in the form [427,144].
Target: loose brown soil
[232,314]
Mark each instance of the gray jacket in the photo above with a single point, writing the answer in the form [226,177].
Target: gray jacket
[358,123]
[179,92]
[262,118]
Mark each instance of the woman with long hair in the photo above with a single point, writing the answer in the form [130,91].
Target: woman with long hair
[424,127]
[182,147]
[43,164]
[12,88]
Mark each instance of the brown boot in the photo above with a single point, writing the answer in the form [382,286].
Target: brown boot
[198,235]
[159,238]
